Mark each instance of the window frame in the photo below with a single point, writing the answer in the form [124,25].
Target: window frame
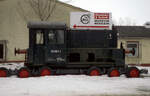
[3,42]
[37,38]
[56,37]
[136,50]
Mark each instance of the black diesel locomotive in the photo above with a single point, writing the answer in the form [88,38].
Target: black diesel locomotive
[55,49]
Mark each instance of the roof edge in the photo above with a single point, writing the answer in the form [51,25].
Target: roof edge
[69,5]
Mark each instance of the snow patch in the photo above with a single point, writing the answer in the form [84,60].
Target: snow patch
[12,66]
[73,85]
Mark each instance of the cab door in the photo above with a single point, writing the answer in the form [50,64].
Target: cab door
[39,47]
[55,47]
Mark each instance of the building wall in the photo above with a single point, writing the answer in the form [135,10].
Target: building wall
[14,32]
[144,52]
[13,25]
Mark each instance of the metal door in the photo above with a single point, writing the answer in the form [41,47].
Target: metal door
[39,47]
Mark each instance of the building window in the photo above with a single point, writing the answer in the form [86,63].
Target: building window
[2,50]
[133,46]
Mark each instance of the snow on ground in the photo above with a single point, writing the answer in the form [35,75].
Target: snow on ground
[75,85]
[12,66]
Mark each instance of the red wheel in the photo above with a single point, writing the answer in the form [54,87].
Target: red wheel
[94,71]
[3,72]
[24,73]
[45,71]
[133,72]
[113,72]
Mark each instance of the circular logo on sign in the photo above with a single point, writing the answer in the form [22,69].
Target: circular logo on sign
[85,19]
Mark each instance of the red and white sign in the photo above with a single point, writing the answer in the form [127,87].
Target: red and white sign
[89,20]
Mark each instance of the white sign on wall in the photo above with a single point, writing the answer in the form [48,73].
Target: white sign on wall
[89,20]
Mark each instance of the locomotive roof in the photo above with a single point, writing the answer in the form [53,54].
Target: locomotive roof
[45,24]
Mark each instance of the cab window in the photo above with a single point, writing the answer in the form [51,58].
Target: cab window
[52,37]
[39,37]
[56,36]
[60,36]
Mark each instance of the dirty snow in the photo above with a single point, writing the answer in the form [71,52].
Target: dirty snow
[12,66]
[75,85]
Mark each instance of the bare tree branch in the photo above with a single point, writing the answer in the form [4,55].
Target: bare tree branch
[42,8]
[21,11]
[51,11]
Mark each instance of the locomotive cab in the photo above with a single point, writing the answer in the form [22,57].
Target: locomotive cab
[47,44]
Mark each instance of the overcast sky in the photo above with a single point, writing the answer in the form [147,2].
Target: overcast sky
[135,11]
